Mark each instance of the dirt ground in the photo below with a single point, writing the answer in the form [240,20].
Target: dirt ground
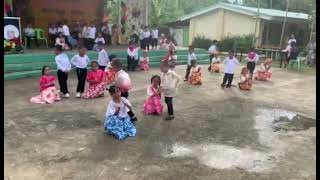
[267,133]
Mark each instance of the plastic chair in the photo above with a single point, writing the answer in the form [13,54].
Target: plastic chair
[40,35]
[297,61]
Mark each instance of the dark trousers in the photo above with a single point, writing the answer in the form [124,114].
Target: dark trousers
[154,42]
[251,66]
[210,59]
[81,74]
[168,101]
[126,95]
[132,63]
[188,72]
[102,67]
[107,38]
[89,43]
[145,43]
[29,39]
[52,40]
[62,78]
[134,38]
[227,77]
[141,43]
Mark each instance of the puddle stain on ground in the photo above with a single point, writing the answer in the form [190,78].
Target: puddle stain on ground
[268,123]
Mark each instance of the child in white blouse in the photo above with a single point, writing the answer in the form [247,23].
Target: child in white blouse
[81,61]
[117,120]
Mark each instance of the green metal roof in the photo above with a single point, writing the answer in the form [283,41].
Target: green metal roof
[268,14]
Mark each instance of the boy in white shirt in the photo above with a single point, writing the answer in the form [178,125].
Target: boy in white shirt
[212,50]
[99,39]
[169,84]
[229,65]
[91,36]
[64,67]
[123,82]
[155,35]
[103,58]
[80,61]
[191,56]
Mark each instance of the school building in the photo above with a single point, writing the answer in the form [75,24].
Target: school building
[225,20]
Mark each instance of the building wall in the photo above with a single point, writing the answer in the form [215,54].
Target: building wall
[223,23]
[208,25]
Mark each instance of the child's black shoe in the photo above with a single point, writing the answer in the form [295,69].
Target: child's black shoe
[134,119]
[169,118]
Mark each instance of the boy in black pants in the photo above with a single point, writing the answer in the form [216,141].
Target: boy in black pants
[169,81]
[229,64]
[123,82]
[64,68]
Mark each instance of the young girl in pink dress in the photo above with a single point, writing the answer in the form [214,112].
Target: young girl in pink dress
[153,105]
[97,85]
[144,66]
[48,92]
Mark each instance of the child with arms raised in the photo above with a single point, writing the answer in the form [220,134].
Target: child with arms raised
[153,105]
[229,65]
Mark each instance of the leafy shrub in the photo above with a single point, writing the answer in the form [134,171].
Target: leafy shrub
[225,44]
[235,42]
[201,42]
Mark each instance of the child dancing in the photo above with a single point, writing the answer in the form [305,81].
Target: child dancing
[153,105]
[245,80]
[195,74]
[80,61]
[117,121]
[123,82]
[48,92]
[229,64]
[144,66]
[97,85]
[170,81]
[215,64]
[264,73]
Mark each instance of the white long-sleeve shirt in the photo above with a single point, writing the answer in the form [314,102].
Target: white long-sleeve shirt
[191,56]
[53,31]
[146,34]
[113,106]
[80,62]
[92,32]
[155,34]
[103,58]
[29,31]
[133,53]
[63,63]
[230,64]
[212,49]
[99,39]
[169,81]
[66,31]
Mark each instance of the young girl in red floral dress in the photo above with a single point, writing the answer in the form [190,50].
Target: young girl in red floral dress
[48,92]
[97,85]
[144,66]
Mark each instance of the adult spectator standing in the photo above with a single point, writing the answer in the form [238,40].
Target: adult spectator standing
[84,35]
[66,33]
[91,36]
[146,38]
[141,36]
[292,39]
[106,33]
[30,34]
[134,35]
[52,34]
[155,36]
[213,50]
[292,52]
[312,52]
